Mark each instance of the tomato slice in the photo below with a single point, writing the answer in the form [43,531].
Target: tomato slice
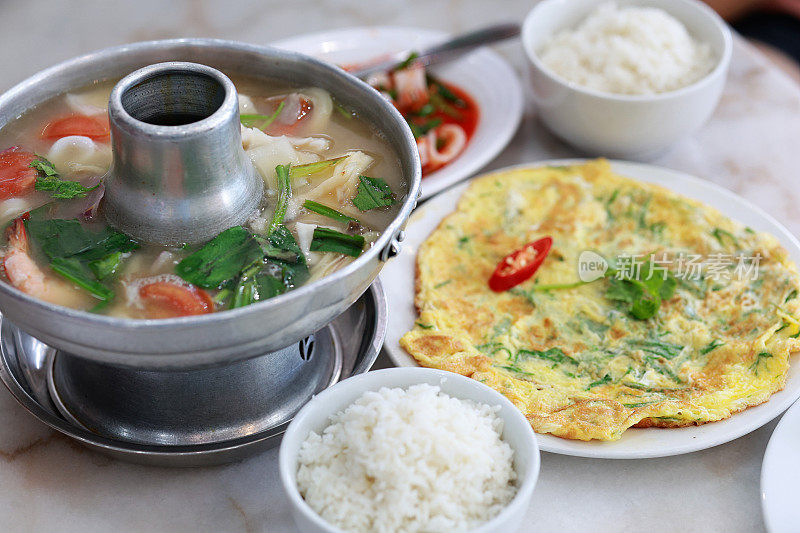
[17,178]
[167,300]
[95,128]
[520,265]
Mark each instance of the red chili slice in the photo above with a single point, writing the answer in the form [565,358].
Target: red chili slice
[520,265]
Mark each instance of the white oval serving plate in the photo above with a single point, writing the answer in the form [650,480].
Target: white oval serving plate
[779,474]
[487,77]
[636,443]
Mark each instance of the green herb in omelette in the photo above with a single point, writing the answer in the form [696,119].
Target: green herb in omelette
[713,345]
[602,381]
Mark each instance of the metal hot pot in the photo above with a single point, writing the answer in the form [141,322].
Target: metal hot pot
[195,390]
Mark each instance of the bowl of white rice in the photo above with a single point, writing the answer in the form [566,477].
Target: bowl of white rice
[411,450]
[625,78]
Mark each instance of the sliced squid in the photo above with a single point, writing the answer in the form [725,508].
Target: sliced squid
[424,154]
[380,80]
[411,86]
[454,138]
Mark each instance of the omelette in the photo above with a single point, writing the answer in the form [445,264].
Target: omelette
[650,309]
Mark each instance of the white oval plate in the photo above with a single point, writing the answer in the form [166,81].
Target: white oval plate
[779,474]
[636,443]
[486,76]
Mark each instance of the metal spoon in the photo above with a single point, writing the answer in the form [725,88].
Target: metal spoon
[445,51]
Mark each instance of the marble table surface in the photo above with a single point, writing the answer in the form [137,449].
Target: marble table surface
[48,483]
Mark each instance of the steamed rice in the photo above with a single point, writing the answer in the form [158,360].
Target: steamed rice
[630,50]
[408,460]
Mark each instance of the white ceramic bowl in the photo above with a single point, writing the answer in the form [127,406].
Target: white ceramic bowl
[624,126]
[315,416]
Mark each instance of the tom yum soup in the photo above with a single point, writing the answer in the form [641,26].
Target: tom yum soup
[330,190]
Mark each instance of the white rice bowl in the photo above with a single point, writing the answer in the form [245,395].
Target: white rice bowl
[630,50]
[408,460]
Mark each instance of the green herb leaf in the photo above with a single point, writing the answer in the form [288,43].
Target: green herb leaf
[667,350]
[312,168]
[261,121]
[645,295]
[757,362]
[420,129]
[407,61]
[221,260]
[60,238]
[555,355]
[106,266]
[49,181]
[446,93]
[326,211]
[79,255]
[373,193]
[328,240]
[645,308]
[76,272]
[716,343]
[602,381]
[284,194]
[442,105]
[623,290]
[283,251]
[721,234]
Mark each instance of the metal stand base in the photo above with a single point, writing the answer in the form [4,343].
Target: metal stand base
[193,417]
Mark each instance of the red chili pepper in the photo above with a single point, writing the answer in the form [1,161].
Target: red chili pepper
[520,265]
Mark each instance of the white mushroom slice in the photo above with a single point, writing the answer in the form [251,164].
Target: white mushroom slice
[317,144]
[246,105]
[344,180]
[91,102]
[267,152]
[254,137]
[79,154]
[305,234]
[14,207]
